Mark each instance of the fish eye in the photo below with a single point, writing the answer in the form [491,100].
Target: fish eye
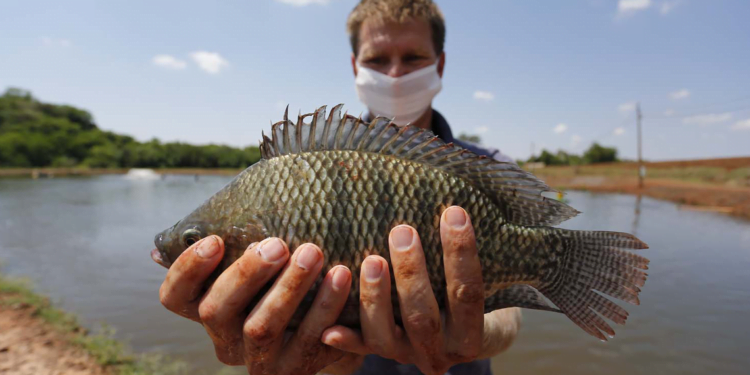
[190,237]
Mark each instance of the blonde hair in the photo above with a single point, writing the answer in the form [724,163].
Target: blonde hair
[398,11]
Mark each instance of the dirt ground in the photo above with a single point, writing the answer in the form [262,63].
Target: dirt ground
[734,200]
[28,346]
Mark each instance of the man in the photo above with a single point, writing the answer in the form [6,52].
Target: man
[398,61]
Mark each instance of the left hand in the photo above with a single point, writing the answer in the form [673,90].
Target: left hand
[432,344]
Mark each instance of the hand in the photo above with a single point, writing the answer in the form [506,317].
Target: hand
[432,344]
[257,340]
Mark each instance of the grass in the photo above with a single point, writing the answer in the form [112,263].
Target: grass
[107,351]
[699,174]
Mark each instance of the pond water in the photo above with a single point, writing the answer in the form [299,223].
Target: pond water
[86,243]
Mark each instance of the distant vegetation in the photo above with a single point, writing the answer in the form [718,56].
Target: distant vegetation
[595,154]
[473,138]
[36,134]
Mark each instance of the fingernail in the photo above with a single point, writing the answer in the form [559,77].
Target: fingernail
[402,237]
[372,269]
[341,277]
[208,247]
[456,217]
[271,250]
[308,257]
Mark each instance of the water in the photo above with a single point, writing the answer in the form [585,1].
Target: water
[86,242]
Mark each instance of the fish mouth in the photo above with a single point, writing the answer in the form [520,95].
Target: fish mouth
[156,254]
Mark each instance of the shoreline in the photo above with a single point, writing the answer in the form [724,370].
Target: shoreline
[39,338]
[692,196]
[87,172]
[717,185]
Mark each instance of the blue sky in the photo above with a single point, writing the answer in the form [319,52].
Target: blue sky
[559,74]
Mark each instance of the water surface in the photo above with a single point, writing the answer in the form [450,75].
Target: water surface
[86,242]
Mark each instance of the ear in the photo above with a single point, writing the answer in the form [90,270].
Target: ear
[441,64]
[354,64]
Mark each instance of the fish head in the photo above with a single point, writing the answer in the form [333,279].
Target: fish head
[173,241]
[236,231]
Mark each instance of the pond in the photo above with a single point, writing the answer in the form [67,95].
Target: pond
[86,242]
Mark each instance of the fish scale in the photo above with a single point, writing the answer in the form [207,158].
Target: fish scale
[343,184]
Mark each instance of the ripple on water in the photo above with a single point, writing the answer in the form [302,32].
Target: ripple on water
[86,241]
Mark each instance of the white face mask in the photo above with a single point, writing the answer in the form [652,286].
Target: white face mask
[403,98]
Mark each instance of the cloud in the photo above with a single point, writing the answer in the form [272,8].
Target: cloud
[482,130]
[628,7]
[708,119]
[619,131]
[575,140]
[211,62]
[560,128]
[669,112]
[302,3]
[483,95]
[668,6]
[742,125]
[679,94]
[169,62]
[626,107]
[57,42]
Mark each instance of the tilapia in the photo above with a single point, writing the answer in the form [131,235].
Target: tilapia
[343,184]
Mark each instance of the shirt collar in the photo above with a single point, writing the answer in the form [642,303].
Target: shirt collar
[439,126]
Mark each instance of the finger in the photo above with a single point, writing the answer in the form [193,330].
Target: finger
[419,309]
[221,309]
[185,280]
[264,327]
[346,339]
[465,287]
[500,330]
[305,353]
[376,309]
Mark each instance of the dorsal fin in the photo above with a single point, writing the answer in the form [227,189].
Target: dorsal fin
[518,192]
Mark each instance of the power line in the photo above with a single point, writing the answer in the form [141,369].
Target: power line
[701,110]
[683,116]
[623,124]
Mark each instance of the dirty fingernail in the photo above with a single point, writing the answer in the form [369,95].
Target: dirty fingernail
[402,237]
[456,217]
[271,250]
[341,277]
[372,269]
[208,247]
[309,257]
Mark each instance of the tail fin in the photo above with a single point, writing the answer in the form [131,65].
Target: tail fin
[596,262]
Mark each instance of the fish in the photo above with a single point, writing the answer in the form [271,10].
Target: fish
[343,183]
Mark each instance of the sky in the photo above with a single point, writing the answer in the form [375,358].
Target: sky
[524,75]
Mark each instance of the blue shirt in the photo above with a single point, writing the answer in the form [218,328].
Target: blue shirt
[441,128]
[376,365]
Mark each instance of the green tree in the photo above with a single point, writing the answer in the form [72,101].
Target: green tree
[35,134]
[600,154]
[473,138]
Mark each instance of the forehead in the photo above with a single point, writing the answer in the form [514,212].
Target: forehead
[376,36]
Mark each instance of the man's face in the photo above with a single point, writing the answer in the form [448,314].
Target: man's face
[396,49]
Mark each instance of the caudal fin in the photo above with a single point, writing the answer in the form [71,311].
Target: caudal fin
[593,263]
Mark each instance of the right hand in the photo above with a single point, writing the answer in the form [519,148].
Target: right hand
[257,340]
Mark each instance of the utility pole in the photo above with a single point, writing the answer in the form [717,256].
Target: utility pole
[641,170]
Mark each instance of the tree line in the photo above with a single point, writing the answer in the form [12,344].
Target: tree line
[36,134]
[594,154]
